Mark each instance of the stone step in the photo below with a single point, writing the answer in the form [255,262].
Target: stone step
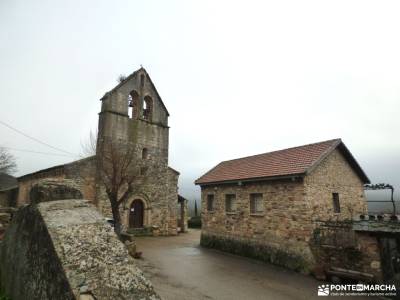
[145,231]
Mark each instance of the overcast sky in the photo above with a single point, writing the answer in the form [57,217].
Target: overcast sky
[238,77]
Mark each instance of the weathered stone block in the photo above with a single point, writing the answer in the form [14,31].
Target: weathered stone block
[65,250]
[131,246]
[50,190]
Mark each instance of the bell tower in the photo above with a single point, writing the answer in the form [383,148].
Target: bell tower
[134,112]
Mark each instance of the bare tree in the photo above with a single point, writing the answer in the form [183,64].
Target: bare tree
[8,163]
[117,173]
[89,146]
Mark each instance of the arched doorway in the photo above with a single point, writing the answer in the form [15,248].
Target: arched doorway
[136,214]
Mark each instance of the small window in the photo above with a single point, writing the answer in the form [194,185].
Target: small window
[210,202]
[230,203]
[336,203]
[145,153]
[256,203]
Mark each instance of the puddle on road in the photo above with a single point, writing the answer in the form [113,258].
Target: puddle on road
[188,251]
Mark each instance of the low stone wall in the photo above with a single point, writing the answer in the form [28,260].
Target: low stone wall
[6,214]
[363,258]
[255,249]
[65,250]
[336,245]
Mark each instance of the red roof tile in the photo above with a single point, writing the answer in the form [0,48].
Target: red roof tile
[287,162]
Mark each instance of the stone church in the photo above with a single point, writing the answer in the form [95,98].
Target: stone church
[134,112]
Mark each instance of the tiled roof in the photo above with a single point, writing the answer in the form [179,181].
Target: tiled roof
[287,162]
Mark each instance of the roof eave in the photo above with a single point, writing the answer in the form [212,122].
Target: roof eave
[255,179]
[323,156]
[23,177]
[9,188]
[356,166]
[349,157]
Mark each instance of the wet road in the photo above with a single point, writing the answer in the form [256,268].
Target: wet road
[180,269]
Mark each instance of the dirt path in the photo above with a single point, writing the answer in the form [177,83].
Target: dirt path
[180,269]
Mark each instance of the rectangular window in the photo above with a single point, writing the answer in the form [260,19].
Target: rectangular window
[230,202]
[336,203]
[256,203]
[210,202]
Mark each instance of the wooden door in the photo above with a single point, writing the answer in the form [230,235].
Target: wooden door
[136,214]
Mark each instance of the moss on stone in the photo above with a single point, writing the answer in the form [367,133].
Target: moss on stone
[256,250]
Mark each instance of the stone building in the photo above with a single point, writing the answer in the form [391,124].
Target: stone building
[8,190]
[266,206]
[132,112]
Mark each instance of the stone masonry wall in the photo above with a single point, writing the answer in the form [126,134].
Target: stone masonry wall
[157,189]
[334,175]
[363,257]
[65,250]
[116,100]
[172,199]
[83,173]
[370,260]
[284,227]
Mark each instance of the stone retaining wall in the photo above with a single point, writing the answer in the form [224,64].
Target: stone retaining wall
[255,249]
[6,214]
